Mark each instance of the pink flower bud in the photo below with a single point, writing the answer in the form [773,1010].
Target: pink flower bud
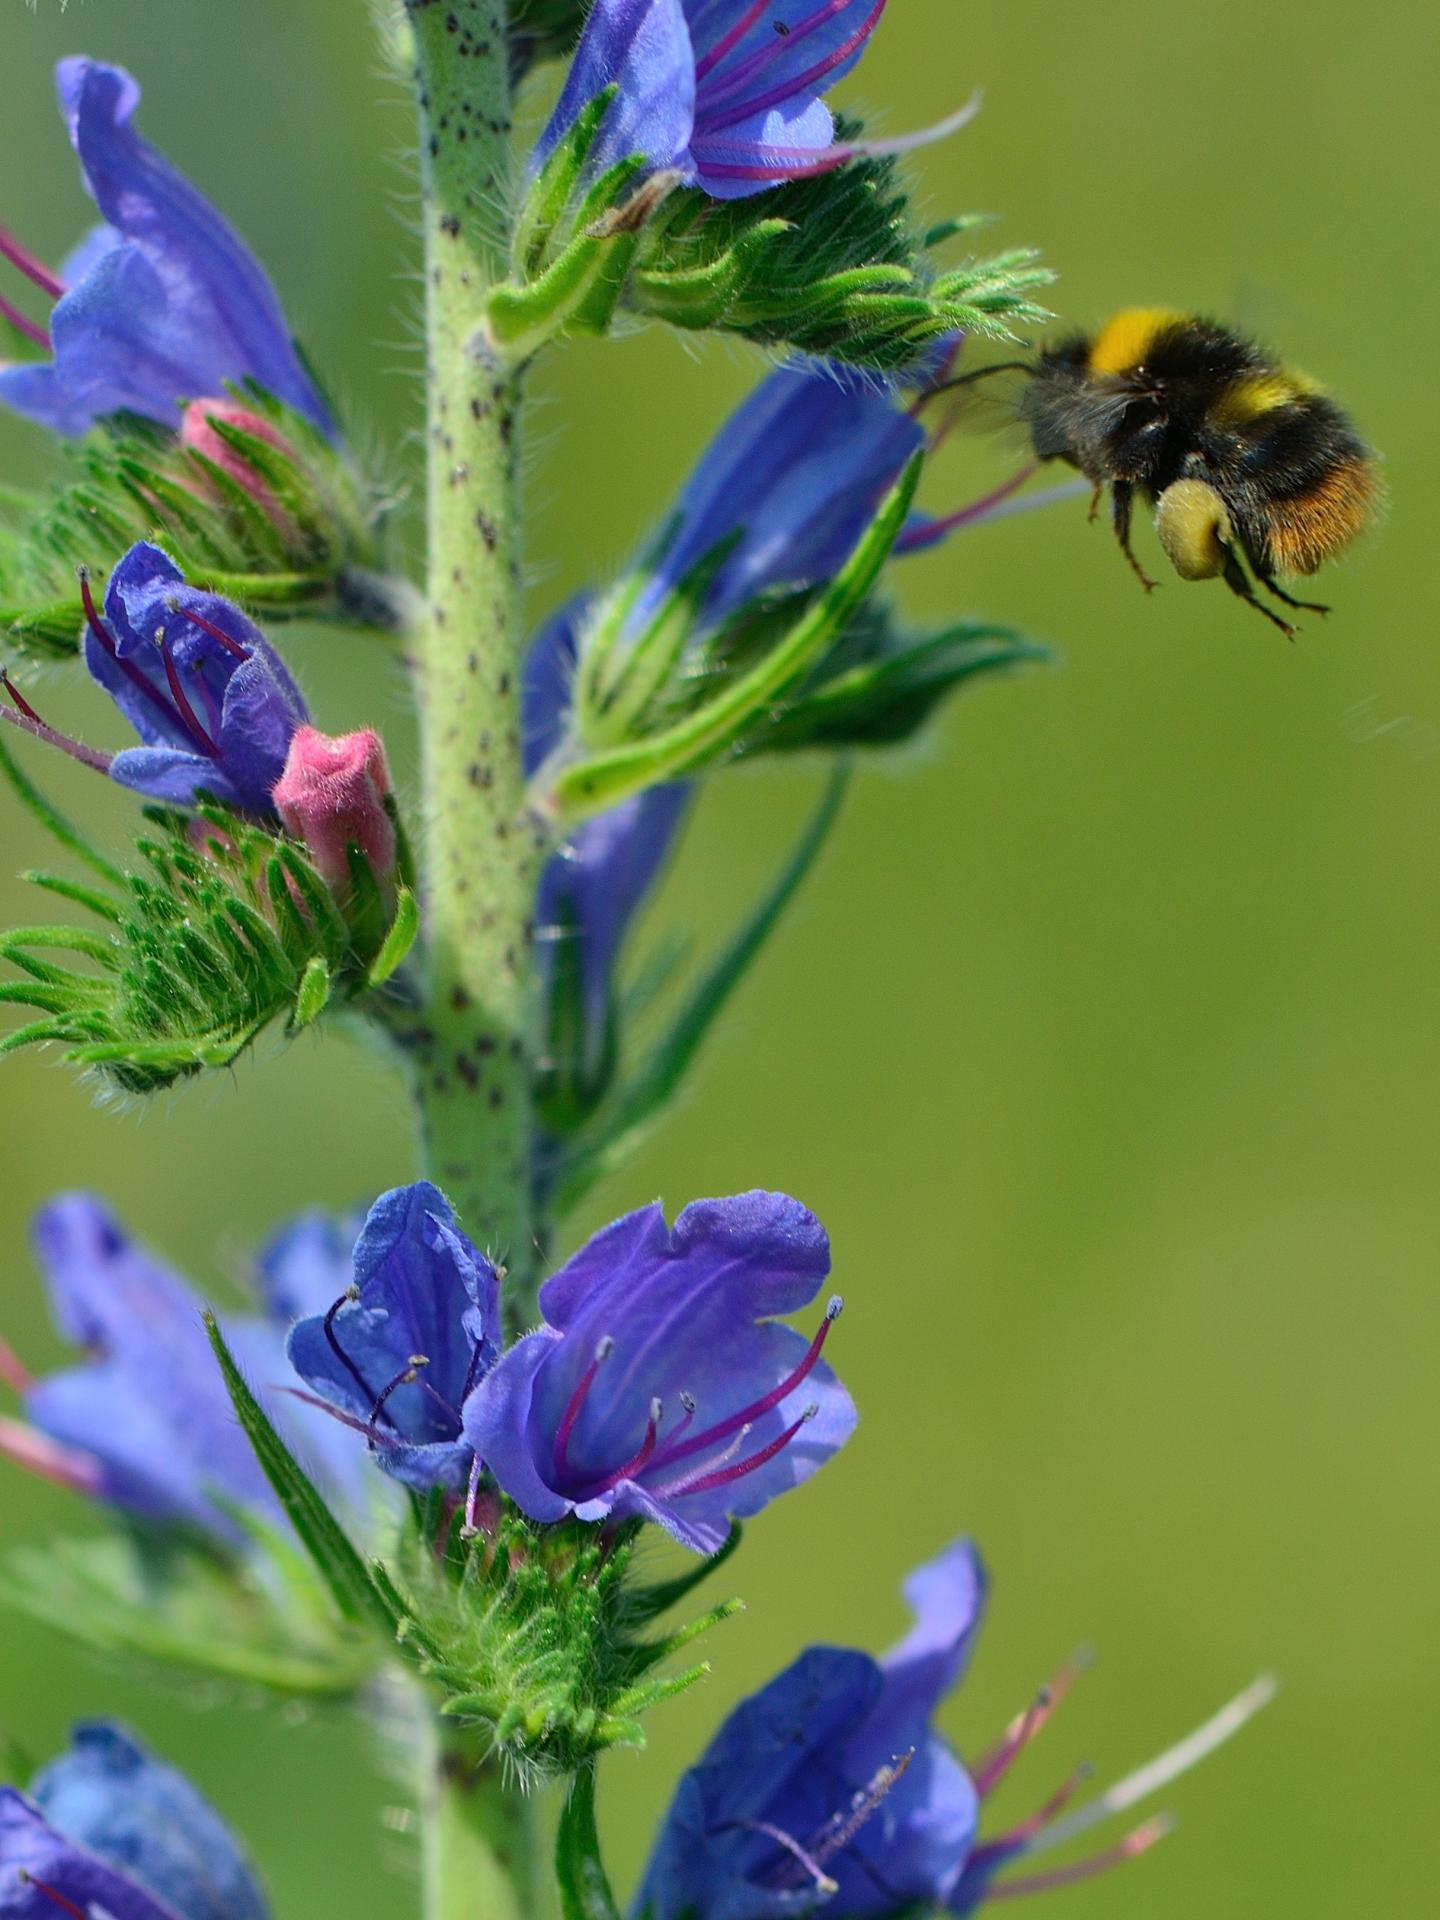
[197,431]
[331,795]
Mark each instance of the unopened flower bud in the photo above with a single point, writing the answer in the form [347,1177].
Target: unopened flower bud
[199,431]
[332,796]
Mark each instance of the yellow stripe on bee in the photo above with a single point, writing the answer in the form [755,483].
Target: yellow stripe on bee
[1259,393]
[1123,342]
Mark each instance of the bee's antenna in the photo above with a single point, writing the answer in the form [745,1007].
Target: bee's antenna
[979,373]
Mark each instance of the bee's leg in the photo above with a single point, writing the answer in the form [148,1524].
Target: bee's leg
[1121,496]
[1238,582]
[1097,489]
[1269,582]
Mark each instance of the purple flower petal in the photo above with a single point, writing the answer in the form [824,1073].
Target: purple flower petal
[656,1388]
[170,305]
[145,1820]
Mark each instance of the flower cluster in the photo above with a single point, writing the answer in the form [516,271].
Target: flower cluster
[398,1341]
[832,1788]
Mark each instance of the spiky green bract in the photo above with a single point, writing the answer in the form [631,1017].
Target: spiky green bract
[829,264]
[881,683]
[533,1635]
[309,545]
[197,949]
[265,1624]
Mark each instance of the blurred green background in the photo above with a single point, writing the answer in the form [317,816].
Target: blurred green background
[1104,1042]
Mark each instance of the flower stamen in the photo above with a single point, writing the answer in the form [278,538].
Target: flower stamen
[183,707]
[604,1347]
[350,1298]
[406,1377]
[723,1476]
[28,721]
[1130,1848]
[102,633]
[766,56]
[53,1895]
[33,269]
[32,330]
[209,626]
[747,1416]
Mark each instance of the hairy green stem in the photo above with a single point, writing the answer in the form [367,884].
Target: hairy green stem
[472,1047]
[476,1846]
[471,1044]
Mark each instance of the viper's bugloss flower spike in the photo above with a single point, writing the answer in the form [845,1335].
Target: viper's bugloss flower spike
[726,94]
[830,1789]
[110,1829]
[162,304]
[658,1387]
[332,796]
[144,1423]
[208,695]
[401,1346]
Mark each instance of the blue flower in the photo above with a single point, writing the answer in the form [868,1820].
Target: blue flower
[791,481]
[830,1784]
[725,92]
[162,304]
[145,1423]
[206,692]
[109,1829]
[658,1386]
[830,1788]
[591,890]
[398,1351]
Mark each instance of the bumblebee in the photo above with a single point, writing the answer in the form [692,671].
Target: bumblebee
[1243,459]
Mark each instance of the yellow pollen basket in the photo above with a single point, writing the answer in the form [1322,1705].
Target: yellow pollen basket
[1122,343]
[1194,528]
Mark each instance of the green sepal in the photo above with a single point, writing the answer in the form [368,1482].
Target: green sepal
[721,722]
[880,684]
[312,994]
[344,1573]
[828,265]
[648,1603]
[620,1127]
[579,1871]
[395,948]
[528,1635]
